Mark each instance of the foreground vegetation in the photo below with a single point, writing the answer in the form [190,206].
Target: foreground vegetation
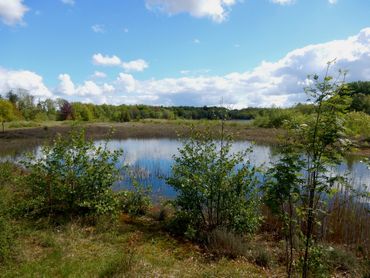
[60,217]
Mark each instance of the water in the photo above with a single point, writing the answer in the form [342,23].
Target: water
[151,160]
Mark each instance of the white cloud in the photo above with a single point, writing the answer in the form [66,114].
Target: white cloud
[98,28]
[22,79]
[130,66]
[196,41]
[217,10]
[68,2]
[136,65]
[284,2]
[87,89]
[126,83]
[101,60]
[12,11]
[271,83]
[333,2]
[99,74]
[66,86]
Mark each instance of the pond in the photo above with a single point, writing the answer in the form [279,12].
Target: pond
[151,159]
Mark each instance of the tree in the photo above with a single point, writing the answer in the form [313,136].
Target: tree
[282,196]
[12,97]
[6,112]
[81,112]
[216,188]
[65,110]
[321,140]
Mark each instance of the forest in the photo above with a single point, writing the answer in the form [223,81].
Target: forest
[18,104]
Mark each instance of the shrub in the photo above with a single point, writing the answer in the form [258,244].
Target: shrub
[72,176]
[317,263]
[358,124]
[216,188]
[135,202]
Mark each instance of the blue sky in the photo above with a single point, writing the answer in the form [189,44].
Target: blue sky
[179,52]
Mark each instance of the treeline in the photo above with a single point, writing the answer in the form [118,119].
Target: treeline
[20,105]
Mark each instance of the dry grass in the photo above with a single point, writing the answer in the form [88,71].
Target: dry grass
[132,248]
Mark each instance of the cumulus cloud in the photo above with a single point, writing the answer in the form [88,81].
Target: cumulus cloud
[87,89]
[68,2]
[277,83]
[66,86]
[131,66]
[136,65]
[217,10]
[101,60]
[271,83]
[23,79]
[12,11]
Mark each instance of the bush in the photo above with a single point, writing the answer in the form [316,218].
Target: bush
[317,263]
[72,177]
[216,188]
[358,124]
[135,202]
[274,117]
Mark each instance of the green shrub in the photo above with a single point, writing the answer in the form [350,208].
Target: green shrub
[72,176]
[216,188]
[358,124]
[135,202]
[275,117]
[317,262]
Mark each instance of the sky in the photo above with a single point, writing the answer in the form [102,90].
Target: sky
[180,52]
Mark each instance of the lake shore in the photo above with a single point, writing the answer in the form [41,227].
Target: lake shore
[14,139]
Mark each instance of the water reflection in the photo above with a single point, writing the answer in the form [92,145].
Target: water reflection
[151,159]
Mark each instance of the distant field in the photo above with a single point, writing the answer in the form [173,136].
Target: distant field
[33,133]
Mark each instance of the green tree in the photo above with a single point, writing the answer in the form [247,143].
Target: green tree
[72,176]
[216,188]
[283,196]
[81,112]
[6,112]
[322,141]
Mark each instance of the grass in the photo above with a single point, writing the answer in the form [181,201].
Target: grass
[149,128]
[133,248]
